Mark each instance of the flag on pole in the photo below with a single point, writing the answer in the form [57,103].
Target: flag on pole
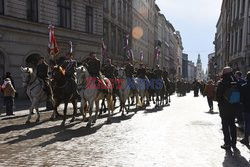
[126,41]
[141,56]
[157,53]
[70,47]
[104,49]
[130,54]
[52,45]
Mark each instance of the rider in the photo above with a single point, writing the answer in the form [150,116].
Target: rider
[141,72]
[42,73]
[158,72]
[93,65]
[109,70]
[70,65]
[130,71]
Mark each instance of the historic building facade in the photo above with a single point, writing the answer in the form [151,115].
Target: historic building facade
[143,30]
[232,39]
[179,55]
[117,24]
[24,31]
[185,66]
[191,71]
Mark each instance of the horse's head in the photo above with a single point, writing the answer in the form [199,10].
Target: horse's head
[58,72]
[28,75]
[81,75]
[121,73]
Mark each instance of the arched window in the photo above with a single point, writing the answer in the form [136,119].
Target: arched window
[32,60]
[1,66]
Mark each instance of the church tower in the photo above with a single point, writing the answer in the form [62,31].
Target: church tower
[199,70]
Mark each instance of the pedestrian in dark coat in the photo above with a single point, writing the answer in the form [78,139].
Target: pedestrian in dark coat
[9,94]
[245,98]
[227,110]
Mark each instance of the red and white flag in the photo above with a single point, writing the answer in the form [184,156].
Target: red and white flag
[52,45]
[104,49]
[141,56]
[126,42]
[157,53]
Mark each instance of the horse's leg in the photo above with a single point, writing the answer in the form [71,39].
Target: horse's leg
[33,105]
[90,113]
[38,115]
[74,102]
[82,110]
[64,113]
[55,113]
[30,113]
[96,111]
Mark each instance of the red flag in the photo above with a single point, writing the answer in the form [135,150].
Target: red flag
[52,46]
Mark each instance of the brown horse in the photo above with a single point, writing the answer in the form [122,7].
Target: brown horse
[64,90]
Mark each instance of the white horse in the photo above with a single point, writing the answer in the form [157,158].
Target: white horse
[35,91]
[126,92]
[91,94]
[143,86]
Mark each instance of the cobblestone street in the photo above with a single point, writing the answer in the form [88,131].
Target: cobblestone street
[181,135]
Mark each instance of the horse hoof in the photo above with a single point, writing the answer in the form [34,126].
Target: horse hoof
[72,120]
[109,121]
[37,120]
[89,125]
[27,122]
[63,123]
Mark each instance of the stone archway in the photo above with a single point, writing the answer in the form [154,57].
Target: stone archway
[2,66]
[32,60]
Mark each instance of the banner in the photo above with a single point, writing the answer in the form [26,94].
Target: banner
[52,45]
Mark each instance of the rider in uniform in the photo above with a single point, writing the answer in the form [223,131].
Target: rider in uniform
[42,73]
[109,70]
[94,65]
[70,65]
[141,72]
[130,71]
[158,72]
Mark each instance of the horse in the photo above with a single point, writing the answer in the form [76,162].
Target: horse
[64,91]
[160,90]
[92,94]
[126,92]
[143,87]
[35,91]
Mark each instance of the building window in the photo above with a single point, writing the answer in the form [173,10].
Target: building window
[113,39]
[1,6]
[120,42]
[124,12]
[240,41]
[89,19]
[113,8]
[119,10]
[64,15]
[32,10]
[243,8]
[106,5]
[106,33]
[236,42]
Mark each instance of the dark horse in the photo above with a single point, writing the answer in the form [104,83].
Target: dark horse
[64,90]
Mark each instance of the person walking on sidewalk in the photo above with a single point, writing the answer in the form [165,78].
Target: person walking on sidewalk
[209,91]
[9,94]
[227,108]
[245,98]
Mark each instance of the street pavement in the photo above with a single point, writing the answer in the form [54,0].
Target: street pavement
[183,134]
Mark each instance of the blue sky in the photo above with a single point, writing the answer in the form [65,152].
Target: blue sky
[196,20]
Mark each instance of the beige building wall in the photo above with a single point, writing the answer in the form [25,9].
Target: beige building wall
[21,39]
[143,28]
